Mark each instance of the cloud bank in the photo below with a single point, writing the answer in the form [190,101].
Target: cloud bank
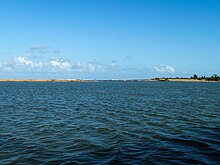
[30,64]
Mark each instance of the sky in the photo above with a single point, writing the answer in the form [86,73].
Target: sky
[109,39]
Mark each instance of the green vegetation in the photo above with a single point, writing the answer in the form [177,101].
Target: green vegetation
[194,76]
[214,77]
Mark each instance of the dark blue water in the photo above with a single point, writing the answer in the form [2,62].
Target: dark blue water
[110,123]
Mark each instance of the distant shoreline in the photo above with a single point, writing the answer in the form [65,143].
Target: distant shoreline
[182,80]
[136,80]
[43,80]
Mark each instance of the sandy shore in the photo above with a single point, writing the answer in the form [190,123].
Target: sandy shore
[43,80]
[71,80]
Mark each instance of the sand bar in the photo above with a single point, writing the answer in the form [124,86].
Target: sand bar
[43,80]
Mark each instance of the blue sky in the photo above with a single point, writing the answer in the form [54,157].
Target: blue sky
[111,39]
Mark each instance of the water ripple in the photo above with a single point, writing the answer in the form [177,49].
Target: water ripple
[110,123]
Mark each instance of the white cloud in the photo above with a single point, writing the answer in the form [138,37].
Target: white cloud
[93,67]
[61,64]
[111,66]
[5,67]
[25,61]
[39,49]
[164,69]
[30,64]
[88,67]
[42,49]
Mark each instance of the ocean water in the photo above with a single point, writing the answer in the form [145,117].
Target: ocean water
[110,123]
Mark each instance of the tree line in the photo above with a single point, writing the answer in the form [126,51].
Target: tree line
[214,77]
